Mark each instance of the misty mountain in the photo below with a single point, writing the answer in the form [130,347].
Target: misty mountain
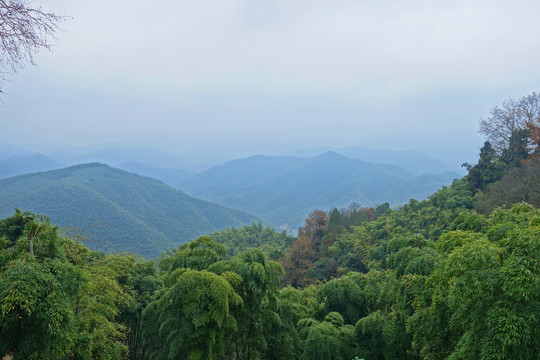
[171,176]
[285,189]
[120,211]
[25,164]
[118,156]
[416,162]
[191,161]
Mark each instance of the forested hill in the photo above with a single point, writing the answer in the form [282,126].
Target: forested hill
[126,212]
[285,189]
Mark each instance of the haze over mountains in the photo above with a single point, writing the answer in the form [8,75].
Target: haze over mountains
[275,189]
[152,162]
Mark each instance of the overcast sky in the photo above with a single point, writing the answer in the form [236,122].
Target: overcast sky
[269,76]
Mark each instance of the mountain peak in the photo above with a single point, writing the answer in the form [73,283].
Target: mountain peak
[331,155]
[87,166]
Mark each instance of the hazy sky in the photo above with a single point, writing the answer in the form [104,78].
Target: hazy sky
[275,75]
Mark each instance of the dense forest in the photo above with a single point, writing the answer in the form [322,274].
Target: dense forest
[455,276]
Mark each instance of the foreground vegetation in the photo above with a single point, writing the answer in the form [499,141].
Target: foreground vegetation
[456,276]
[473,293]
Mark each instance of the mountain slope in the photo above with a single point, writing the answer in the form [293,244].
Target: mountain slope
[286,189]
[125,212]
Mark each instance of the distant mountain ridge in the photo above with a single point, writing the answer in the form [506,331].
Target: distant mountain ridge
[123,211]
[169,175]
[26,163]
[416,162]
[286,189]
[115,156]
[13,164]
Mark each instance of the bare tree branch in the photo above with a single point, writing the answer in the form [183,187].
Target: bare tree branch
[23,31]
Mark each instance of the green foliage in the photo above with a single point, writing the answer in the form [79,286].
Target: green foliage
[258,312]
[97,306]
[450,272]
[488,170]
[283,340]
[12,227]
[455,239]
[60,300]
[198,254]
[37,321]
[270,242]
[469,221]
[344,295]
[367,246]
[37,284]
[413,260]
[517,149]
[250,319]
[329,339]
[382,335]
[485,301]
[195,316]
[236,240]
[471,292]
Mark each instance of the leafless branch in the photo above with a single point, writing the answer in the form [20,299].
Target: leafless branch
[24,30]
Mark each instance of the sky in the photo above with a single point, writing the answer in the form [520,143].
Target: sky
[270,76]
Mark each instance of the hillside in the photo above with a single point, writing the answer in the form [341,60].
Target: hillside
[126,212]
[285,189]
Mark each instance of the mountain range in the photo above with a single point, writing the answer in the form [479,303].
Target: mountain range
[118,210]
[285,189]
[173,169]
[276,189]
[416,162]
